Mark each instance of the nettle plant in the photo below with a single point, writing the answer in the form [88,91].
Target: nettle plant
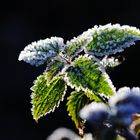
[81,64]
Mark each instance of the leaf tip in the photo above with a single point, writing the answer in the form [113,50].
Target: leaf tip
[36,120]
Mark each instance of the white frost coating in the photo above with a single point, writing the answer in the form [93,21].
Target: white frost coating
[101,68]
[61,133]
[53,109]
[121,94]
[126,94]
[110,62]
[94,111]
[112,42]
[67,79]
[119,48]
[39,52]
[124,104]
[78,43]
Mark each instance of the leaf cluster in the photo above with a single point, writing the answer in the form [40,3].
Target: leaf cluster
[85,74]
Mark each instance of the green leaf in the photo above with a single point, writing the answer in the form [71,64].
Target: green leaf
[93,96]
[87,75]
[110,39]
[53,70]
[42,51]
[46,98]
[76,45]
[76,101]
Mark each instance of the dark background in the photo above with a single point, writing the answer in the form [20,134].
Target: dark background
[21,23]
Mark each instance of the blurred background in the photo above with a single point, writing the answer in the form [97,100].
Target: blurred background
[24,22]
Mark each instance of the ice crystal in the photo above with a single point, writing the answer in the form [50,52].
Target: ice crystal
[109,62]
[110,39]
[41,51]
[123,105]
[95,112]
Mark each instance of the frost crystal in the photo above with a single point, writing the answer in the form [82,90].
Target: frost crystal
[126,95]
[110,39]
[85,73]
[76,45]
[109,62]
[95,112]
[124,104]
[41,51]
[64,133]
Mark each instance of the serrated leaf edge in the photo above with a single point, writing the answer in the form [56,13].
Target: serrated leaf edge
[101,68]
[56,106]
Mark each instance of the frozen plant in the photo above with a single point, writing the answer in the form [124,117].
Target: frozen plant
[116,116]
[81,64]
[64,133]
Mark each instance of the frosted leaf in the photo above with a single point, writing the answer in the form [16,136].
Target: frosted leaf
[76,45]
[64,133]
[86,74]
[45,98]
[124,105]
[76,101]
[61,133]
[123,114]
[54,69]
[42,51]
[126,95]
[95,112]
[110,39]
